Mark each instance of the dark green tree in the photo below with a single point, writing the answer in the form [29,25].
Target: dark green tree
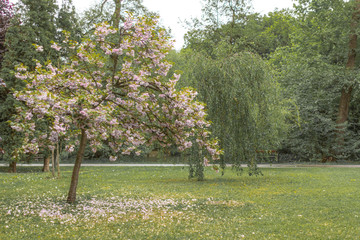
[233,23]
[274,32]
[67,20]
[243,100]
[222,59]
[315,71]
[39,23]
[6,13]
[222,21]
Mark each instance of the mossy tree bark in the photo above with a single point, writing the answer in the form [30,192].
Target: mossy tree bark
[117,14]
[12,167]
[46,166]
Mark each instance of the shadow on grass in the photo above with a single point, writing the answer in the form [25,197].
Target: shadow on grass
[225,180]
[22,170]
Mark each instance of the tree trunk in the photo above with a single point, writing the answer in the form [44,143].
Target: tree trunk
[345,98]
[117,14]
[12,167]
[344,106]
[52,162]
[58,159]
[75,175]
[46,166]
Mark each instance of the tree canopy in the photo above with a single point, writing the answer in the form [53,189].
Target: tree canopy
[113,92]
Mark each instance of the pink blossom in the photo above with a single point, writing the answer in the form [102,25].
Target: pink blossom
[126,108]
[206,162]
[117,51]
[55,46]
[69,148]
[84,113]
[113,122]
[2,83]
[17,128]
[188,144]
[39,48]
[133,86]
[20,76]
[28,116]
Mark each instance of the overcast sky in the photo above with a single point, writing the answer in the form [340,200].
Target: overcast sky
[171,11]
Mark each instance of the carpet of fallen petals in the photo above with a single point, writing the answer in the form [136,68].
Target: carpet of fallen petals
[94,209]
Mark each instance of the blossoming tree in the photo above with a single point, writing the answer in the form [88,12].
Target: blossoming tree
[113,90]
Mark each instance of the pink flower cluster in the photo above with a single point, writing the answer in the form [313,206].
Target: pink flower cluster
[2,83]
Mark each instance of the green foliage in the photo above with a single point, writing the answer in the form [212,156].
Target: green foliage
[313,72]
[35,22]
[243,99]
[103,11]
[6,10]
[223,61]
[160,203]
[219,12]
[277,27]
[311,85]
[232,23]
[222,21]
[28,26]
[67,20]
[323,29]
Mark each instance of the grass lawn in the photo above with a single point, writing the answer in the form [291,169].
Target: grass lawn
[161,203]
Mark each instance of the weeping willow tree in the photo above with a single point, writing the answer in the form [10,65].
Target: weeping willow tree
[243,101]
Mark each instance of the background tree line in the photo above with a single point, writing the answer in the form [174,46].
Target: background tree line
[289,77]
[284,81]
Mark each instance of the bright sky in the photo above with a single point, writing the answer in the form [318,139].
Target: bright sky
[172,11]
